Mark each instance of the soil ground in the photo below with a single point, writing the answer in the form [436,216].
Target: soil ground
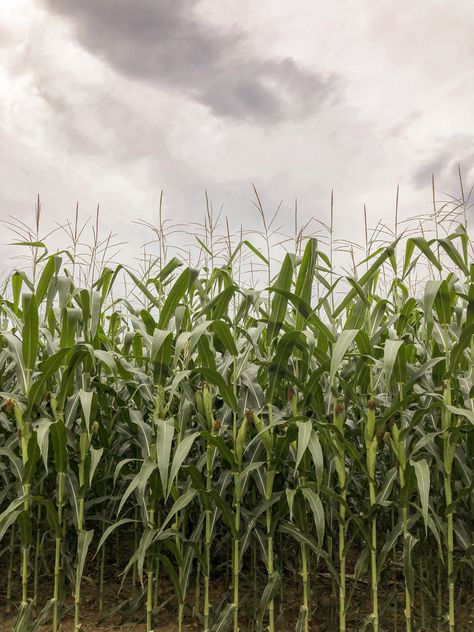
[323,609]
[167,622]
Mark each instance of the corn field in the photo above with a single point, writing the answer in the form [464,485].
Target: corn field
[296,457]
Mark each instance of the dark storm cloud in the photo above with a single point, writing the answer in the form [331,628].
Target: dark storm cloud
[167,44]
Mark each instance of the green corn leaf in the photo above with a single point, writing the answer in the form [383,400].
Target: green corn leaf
[305,278]
[110,529]
[146,541]
[409,575]
[391,349]
[454,255]
[300,536]
[144,429]
[69,325]
[422,473]
[390,541]
[268,595]
[457,352]
[224,451]
[51,514]
[424,246]
[84,540]
[308,314]
[170,569]
[442,304]
[10,516]
[302,617]
[384,494]
[59,440]
[213,377]
[304,435]
[180,455]
[206,354]
[24,616]
[107,359]
[96,455]
[224,620]
[45,279]
[317,456]
[280,301]
[161,354]
[279,362]
[49,367]
[169,268]
[317,509]
[164,440]
[371,273]
[182,502]
[431,291]
[227,513]
[138,481]
[15,349]
[13,506]
[290,499]
[86,398]
[462,412]
[223,332]
[255,251]
[16,283]
[30,334]
[15,462]
[343,343]
[176,294]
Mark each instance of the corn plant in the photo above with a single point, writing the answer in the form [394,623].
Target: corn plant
[233,446]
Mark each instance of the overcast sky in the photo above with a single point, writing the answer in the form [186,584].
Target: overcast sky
[111,101]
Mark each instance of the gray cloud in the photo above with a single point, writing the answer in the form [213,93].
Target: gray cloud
[437,166]
[168,45]
[444,160]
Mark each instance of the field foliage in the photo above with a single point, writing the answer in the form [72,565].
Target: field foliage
[308,434]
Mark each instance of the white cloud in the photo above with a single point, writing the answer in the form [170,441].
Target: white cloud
[74,126]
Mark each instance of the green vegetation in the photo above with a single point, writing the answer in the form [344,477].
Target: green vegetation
[242,445]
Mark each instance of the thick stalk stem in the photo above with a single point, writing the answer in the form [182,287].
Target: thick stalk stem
[449,450]
[374,578]
[268,495]
[101,579]
[135,547]
[197,591]
[25,549]
[236,561]
[150,573]
[339,447]
[408,615]
[401,456]
[271,605]
[449,500]
[37,550]
[157,584]
[180,574]
[10,568]
[57,552]
[236,551]
[77,589]
[305,579]
[207,543]
[342,565]
[149,599]
[371,455]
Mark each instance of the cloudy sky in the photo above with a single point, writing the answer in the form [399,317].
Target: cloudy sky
[111,101]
